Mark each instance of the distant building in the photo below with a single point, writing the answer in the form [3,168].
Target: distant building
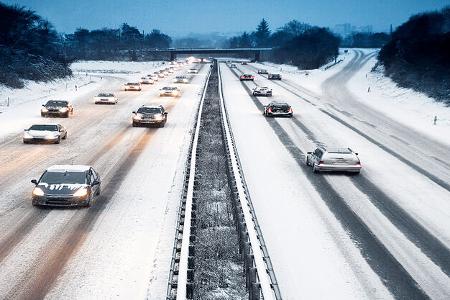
[347,29]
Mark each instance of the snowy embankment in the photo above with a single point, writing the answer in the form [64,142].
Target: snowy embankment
[412,109]
[20,107]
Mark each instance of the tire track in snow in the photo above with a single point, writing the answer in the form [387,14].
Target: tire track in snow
[396,279]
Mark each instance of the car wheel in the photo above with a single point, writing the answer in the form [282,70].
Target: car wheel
[43,115]
[25,142]
[66,115]
[65,136]
[135,125]
[314,169]
[58,140]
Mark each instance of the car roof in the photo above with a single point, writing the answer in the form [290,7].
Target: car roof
[152,106]
[69,168]
[45,124]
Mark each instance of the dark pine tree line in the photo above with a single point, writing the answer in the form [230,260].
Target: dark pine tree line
[126,42]
[30,48]
[418,54]
[296,43]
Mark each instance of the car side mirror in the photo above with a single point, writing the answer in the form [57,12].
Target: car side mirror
[34,181]
[96,182]
[166,113]
[309,152]
[356,153]
[43,104]
[133,112]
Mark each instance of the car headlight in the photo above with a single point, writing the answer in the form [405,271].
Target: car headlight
[158,117]
[81,192]
[63,109]
[38,192]
[137,116]
[26,135]
[44,109]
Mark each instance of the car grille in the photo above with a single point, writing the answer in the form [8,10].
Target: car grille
[59,200]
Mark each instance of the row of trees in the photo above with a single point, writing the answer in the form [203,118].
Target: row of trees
[30,48]
[418,55]
[297,43]
[109,43]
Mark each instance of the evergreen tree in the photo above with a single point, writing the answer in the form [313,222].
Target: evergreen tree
[262,34]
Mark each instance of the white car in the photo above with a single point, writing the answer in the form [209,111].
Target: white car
[44,133]
[325,159]
[147,80]
[170,91]
[181,79]
[105,98]
[193,71]
[262,91]
[132,86]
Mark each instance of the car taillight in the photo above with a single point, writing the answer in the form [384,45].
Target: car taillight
[290,109]
[270,109]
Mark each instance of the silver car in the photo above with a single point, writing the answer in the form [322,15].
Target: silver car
[333,160]
[44,133]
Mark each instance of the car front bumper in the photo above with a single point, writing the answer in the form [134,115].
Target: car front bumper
[40,140]
[60,201]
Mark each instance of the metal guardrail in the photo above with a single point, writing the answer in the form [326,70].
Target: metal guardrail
[261,279]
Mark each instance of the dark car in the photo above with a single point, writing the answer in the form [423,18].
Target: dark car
[274,76]
[277,109]
[150,115]
[66,185]
[246,77]
[57,108]
[44,133]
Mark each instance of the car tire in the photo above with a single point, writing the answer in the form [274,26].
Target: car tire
[25,142]
[66,115]
[314,169]
[58,140]
[65,136]
[135,125]
[43,115]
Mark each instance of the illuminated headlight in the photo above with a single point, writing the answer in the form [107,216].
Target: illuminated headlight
[63,109]
[44,109]
[38,192]
[82,192]
[137,116]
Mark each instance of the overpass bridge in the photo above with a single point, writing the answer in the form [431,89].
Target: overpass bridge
[251,52]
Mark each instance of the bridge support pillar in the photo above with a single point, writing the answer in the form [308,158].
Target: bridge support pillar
[257,55]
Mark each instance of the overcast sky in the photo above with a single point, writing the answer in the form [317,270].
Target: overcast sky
[180,17]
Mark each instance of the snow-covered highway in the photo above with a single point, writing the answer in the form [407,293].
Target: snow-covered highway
[381,234]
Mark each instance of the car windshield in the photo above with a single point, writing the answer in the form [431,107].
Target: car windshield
[132,83]
[44,127]
[149,110]
[63,177]
[168,88]
[105,95]
[56,103]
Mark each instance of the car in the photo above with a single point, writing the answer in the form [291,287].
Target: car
[244,63]
[278,109]
[66,185]
[274,76]
[149,115]
[325,159]
[263,71]
[262,91]
[233,66]
[192,71]
[132,86]
[56,108]
[170,91]
[44,133]
[154,77]
[246,77]
[147,80]
[105,98]
[181,79]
